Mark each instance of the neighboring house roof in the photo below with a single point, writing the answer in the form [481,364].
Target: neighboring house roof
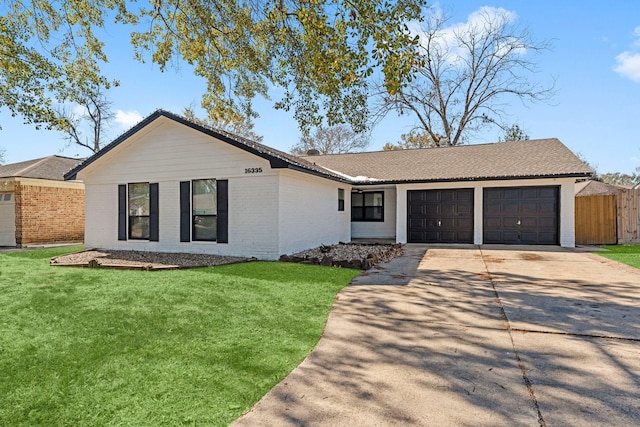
[595,188]
[540,158]
[277,159]
[52,167]
[506,160]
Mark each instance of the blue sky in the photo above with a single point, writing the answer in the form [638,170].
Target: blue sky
[594,58]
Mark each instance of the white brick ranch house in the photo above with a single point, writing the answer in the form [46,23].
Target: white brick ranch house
[171,185]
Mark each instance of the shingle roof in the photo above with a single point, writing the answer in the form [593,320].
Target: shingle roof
[595,188]
[521,159]
[278,159]
[52,167]
[518,159]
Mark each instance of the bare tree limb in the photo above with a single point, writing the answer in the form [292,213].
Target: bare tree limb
[332,140]
[467,74]
[85,127]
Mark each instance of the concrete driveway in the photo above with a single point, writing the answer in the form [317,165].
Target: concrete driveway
[468,336]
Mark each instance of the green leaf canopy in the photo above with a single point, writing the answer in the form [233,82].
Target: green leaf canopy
[324,53]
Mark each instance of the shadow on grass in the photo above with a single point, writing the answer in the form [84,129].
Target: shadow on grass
[38,253]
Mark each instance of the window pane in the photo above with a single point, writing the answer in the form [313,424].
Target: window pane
[204,197]
[356,213]
[204,227]
[373,199]
[139,227]
[357,199]
[139,199]
[7,197]
[373,212]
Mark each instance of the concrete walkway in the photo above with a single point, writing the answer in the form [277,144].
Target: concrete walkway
[468,336]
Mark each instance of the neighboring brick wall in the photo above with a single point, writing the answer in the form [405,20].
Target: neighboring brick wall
[47,214]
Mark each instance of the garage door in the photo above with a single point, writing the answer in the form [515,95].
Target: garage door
[521,215]
[440,216]
[7,220]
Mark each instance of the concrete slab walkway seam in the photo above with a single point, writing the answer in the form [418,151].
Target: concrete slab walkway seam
[573,334]
[523,369]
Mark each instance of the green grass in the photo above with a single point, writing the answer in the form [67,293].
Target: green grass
[183,347]
[626,254]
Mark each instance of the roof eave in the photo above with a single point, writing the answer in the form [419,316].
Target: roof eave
[73,173]
[320,174]
[275,161]
[472,179]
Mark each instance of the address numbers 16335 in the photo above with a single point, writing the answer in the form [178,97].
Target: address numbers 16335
[252,170]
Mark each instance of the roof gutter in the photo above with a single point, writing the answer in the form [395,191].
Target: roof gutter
[472,179]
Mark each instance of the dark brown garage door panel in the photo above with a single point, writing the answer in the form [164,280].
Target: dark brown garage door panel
[440,216]
[521,215]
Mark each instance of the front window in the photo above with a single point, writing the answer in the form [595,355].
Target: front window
[367,206]
[139,210]
[205,210]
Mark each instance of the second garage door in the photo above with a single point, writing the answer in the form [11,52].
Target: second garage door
[521,215]
[440,216]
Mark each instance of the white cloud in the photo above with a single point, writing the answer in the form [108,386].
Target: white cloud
[628,65]
[128,118]
[628,62]
[79,110]
[446,39]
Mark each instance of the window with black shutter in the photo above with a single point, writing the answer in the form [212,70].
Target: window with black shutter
[138,211]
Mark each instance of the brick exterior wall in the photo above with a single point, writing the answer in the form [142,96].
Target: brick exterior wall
[47,214]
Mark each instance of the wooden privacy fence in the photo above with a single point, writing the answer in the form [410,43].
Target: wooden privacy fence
[628,216]
[608,219]
[596,220]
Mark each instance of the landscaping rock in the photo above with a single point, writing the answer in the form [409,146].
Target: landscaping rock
[360,256]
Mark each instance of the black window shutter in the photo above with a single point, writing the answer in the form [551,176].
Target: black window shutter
[185,211]
[154,214]
[122,212]
[223,211]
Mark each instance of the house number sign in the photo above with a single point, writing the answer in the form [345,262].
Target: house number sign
[252,170]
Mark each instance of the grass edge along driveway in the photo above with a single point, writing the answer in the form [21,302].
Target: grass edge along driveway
[183,347]
[626,254]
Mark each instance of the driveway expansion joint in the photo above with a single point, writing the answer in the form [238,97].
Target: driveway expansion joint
[570,334]
[523,369]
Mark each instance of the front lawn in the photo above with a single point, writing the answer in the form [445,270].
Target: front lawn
[184,347]
[626,254]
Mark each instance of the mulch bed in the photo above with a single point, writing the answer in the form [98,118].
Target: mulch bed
[140,260]
[360,256]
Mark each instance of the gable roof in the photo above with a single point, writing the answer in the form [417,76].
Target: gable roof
[276,158]
[52,167]
[541,158]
